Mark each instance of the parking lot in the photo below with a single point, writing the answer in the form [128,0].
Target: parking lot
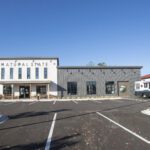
[75,125]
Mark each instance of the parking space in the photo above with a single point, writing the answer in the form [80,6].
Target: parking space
[76,125]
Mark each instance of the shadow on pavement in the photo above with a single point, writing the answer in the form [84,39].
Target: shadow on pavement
[66,141]
[73,116]
[31,146]
[34,114]
[56,144]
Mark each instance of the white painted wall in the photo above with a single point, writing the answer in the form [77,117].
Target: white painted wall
[24,64]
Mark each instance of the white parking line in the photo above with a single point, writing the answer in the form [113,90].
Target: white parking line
[75,101]
[131,132]
[32,103]
[49,139]
[54,102]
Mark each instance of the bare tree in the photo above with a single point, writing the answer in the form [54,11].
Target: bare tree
[102,64]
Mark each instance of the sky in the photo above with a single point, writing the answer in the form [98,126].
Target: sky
[116,32]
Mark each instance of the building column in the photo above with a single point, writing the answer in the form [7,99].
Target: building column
[48,91]
[12,95]
[30,90]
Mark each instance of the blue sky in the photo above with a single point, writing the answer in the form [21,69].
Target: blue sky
[77,31]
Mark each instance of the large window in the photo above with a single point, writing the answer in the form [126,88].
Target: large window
[37,73]
[11,73]
[2,73]
[91,87]
[45,73]
[7,90]
[72,88]
[110,87]
[41,89]
[19,73]
[28,73]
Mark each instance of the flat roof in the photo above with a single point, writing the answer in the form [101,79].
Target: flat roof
[30,58]
[27,58]
[100,67]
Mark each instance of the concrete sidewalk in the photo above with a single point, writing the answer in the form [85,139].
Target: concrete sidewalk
[63,99]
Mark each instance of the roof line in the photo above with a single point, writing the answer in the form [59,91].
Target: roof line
[30,57]
[100,67]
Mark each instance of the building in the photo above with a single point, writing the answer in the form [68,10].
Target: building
[97,81]
[28,76]
[31,77]
[145,77]
[142,87]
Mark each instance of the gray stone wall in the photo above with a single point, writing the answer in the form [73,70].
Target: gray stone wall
[82,75]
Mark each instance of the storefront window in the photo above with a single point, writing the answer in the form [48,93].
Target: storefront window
[72,88]
[91,87]
[7,90]
[41,89]
[110,87]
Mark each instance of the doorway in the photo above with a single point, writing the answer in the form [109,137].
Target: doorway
[24,92]
[123,88]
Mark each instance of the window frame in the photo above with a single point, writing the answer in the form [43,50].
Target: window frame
[91,88]
[37,73]
[7,92]
[28,73]
[11,73]
[72,88]
[45,73]
[19,73]
[41,89]
[110,87]
[2,73]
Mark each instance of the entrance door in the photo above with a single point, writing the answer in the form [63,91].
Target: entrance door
[123,88]
[24,92]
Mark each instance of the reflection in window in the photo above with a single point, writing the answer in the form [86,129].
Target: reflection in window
[7,90]
[91,87]
[145,85]
[19,73]
[37,73]
[72,88]
[41,89]
[2,73]
[45,73]
[110,87]
[28,73]
[11,73]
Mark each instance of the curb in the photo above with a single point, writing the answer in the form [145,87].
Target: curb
[67,99]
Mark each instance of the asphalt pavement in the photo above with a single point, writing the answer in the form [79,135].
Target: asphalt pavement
[75,125]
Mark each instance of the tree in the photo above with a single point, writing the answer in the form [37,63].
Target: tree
[91,63]
[102,64]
